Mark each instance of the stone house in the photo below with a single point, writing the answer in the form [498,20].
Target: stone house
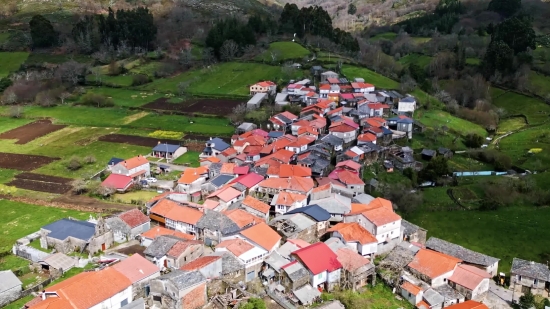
[139,271]
[210,266]
[356,270]
[68,235]
[179,289]
[294,275]
[470,257]
[256,207]
[173,252]
[529,276]
[470,281]
[317,214]
[127,225]
[413,233]
[10,287]
[295,226]
[213,225]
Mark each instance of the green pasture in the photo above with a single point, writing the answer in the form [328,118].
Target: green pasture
[283,51]
[437,118]
[384,36]
[372,77]
[125,97]
[515,104]
[7,124]
[190,157]
[11,61]
[196,125]
[226,79]
[41,58]
[523,147]
[418,59]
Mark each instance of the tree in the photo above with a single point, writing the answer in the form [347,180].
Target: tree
[238,114]
[473,140]
[436,168]
[42,32]
[517,32]
[352,9]
[229,50]
[71,72]
[185,58]
[182,88]
[254,303]
[16,111]
[527,301]
[506,8]
[79,186]
[498,58]
[407,83]
[63,96]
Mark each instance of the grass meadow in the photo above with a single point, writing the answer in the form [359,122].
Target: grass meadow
[515,104]
[196,125]
[284,51]
[519,145]
[419,59]
[126,97]
[437,118]
[11,61]
[190,157]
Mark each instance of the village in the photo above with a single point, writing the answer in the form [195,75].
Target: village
[281,211]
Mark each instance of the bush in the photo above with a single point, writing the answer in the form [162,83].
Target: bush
[89,159]
[45,99]
[473,140]
[97,100]
[16,111]
[140,79]
[5,83]
[74,164]
[499,160]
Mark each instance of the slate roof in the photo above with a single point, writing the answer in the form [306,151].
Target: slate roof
[433,297]
[313,211]
[275,134]
[295,271]
[160,246]
[409,228]
[307,294]
[362,198]
[407,99]
[334,204]
[166,148]
[136,304]
[276,261]
[332,140]
[115,161]
[220,180]
[60,261]
[230,263]
[184,279]
[219,144]
[448,292]
[64,228]
[216,221]
[530,269]
[467,255]
[428,152]
[8,280]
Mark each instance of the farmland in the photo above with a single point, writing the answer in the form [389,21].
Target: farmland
[535,111]
[283,51]
[125,97]
[220,107]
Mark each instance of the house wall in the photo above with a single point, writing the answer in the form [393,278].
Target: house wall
[140,229]
[441,280]
[527,281]
[309,235]
[120,169]
[195,186]
[188,255]
[181,226]
[476,294]
[10,295]
[346,136]
[319,279]
[413,299]
[367,249]
[212,270]
[253,211]
[491,269]
[388,231]
[357,189]
[114,302]
[406,107]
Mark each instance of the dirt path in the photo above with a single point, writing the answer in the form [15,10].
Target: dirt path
[134,117]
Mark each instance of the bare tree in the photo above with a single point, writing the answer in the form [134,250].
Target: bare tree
[208,56]
[275,53]
[229,50]
[407,83]
[185,57]
[182,88]
[63,96]
[79,186]
[9,97]
[71,72]
[238,114]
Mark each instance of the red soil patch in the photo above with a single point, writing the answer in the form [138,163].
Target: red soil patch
[132,250]
[220,107]
[23,162]
[136,140]
[31,131]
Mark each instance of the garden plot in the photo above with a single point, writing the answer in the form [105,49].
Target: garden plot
[220,107]
[42,183]
[31,131]
[136,140]
[23,162]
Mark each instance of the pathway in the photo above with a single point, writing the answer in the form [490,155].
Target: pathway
[173,167]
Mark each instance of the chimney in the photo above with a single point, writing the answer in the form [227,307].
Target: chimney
[43,294]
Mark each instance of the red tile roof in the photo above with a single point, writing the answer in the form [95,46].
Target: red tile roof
[134,162]
[353,232]
[289,170]
[299,184]
[298,243]
[358,85]
[350,260]
[349,178]
[256,204]
[241,217]
[241,170]
[324,87]
[136,268]
[318,258]
[307,129]
[341,128]
[468,276]
[350,164]
[249,180]
[117,181]
[263,235]
[134,217]
[226,193]
[411,288]
[367,137]
[160,231]
[288,199]
[210,204]
[381,216]
[200,262]
[236,246]
[302,141]
[469,304]
[433,264]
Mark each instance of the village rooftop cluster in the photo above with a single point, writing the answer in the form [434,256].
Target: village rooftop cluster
[284,207]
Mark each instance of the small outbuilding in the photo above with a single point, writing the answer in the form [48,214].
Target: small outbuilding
[10,287]
[256,101]
[167,151]
[428,154]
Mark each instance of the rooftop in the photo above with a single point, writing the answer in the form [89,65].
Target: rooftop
[313,211]
[200,262]
[134,162]
[8,280]
[160,231]
[530,269]
[256,204]
[467,255]
[64,228]
[184,279]
[134,217]
[166,147]
[468,276]
[318,258]
[136,268]
[354,232]
[263,235]
[236,246]
[433,264]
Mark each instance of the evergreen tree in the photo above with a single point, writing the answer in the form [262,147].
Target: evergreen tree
[506,8]
[517,32]
[42,32]
[498,57]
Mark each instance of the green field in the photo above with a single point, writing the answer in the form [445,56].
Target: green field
[384,36]
[125,97]
[134,196]
[515,104]
[6,175]
[437,118]
[4,37]
[190,157]
[11,61]
[518,145]
[199,125]
[523,227]
[372,77]
[7,124]
[120,80]
[379,296]
[19,219]
[510,124]
[419,59]
[229,78]
[473,61]
[539,84]
[283,51]
[41,58]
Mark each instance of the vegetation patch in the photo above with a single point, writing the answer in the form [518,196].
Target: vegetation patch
[518,145]
[378,80]
[283,51]
[200,125]
[438,118]
[535,110]
[11,61]
[510,124]
[190,158]
[126,97]
[166,134]
[418,59]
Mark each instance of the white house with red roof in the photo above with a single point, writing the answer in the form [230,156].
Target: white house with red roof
[118,182]
[268,87]
[322,264]
[136,168]
[361,87]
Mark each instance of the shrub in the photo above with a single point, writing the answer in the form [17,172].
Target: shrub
[473,140]
[16,111]
[97,100]
[140,79]
[45,99]
[74,164]
[5,83]
[89,159]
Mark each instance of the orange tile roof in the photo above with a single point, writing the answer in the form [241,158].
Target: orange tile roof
[468,276]
[342,127]
[469,304]
[210,204]
[289,170]
[227,168]
[353,232]
[299,184]
[288,199]
[189,176]
[263,235]
[161,231]
[357,208]
[327,186]
[281,143]
[349,178]
[134,162]
[236,246]
[350,259]
[228,152]
[366,137]
[134,217]
[298,243]
[281,155]
[423,305]
[76,290]
[256,204]
[173,211]
[302,141]
[433,264]
[411,288]
[200,262]
[179,247]
[226,193]
[349,164]
[241,217]
[274,167]
[381,216]
[210,159]
[381,202]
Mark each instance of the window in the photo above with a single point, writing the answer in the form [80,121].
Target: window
[124,302]
[535,281]
[319,276]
